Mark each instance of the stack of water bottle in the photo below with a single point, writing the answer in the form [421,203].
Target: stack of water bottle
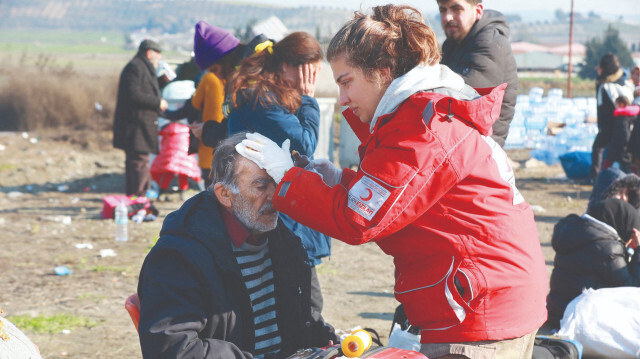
[534,112]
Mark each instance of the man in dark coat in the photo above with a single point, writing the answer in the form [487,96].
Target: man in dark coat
[227,279]
[610,84]
[135,126]
[591,252]
[478,49]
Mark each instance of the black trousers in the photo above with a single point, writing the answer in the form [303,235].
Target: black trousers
[316,294]
[137,175]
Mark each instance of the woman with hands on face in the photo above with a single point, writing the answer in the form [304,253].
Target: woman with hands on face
[272,93]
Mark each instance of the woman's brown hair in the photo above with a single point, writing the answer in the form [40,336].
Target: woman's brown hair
[230,61]
[261,72]
[395,36]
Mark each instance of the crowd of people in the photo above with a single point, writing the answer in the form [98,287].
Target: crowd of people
[233,272]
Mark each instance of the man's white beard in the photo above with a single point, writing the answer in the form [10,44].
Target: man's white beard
[242,210]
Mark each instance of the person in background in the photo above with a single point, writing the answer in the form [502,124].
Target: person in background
[432,189]
[226,278]
[619,149]
[610,84]
[478,48]
[613,183]
[635,78]
[272,93]
[135,125]
[591,252]
[630,113]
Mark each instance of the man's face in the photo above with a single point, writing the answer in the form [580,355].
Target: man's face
[154,57]
[635,76]
[457,17]
[252,205]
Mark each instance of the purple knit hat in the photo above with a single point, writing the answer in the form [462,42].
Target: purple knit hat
[211,43]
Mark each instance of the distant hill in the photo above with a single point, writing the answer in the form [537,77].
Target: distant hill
[161,16]
[179,17]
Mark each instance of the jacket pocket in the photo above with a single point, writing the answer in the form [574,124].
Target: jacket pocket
[431,299]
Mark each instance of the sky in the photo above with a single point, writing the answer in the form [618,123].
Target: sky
[607,9]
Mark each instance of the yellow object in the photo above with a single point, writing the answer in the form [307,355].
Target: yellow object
[355,344]
[264,45]
[208,99]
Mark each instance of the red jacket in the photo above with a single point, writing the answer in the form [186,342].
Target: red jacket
[174,157]
[438,195]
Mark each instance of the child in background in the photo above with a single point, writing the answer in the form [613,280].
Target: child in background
[174,160]
[625,115]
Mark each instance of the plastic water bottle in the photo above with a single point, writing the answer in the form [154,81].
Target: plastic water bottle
[122,222]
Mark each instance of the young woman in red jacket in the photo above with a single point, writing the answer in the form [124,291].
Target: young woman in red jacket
[433,190]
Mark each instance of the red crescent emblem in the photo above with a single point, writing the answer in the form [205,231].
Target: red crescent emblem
[368,196]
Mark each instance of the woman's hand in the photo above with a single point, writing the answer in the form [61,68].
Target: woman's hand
[307,77]
[196,128]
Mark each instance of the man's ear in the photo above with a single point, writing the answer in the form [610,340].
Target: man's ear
[479,11]
[223,194]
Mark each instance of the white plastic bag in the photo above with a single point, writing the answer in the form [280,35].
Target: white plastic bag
[605,321]
[14,344]
[402,339]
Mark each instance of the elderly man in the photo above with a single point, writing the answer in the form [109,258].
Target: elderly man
[135,125]
[227,279]
[477,47]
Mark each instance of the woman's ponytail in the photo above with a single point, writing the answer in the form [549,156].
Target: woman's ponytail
[395,36]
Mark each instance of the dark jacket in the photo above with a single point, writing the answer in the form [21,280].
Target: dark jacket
[484,59]
[193,300]
[620,146]
[589,254]
[135,126]
[301,128]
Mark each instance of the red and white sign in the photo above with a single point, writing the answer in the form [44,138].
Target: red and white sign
[366,197]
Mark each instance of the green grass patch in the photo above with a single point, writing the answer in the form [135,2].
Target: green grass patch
[44,324]
[325,269]
[101,268]
[90,296]
[7,167]
[153,243]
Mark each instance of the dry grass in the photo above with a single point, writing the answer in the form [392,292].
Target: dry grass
[39,97]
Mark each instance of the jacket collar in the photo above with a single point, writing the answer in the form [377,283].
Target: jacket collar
[152,72]
[602,224]
[479,111]
[420,78]
[489,18]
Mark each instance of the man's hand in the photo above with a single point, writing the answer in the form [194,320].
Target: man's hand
[163,104]
[266,154]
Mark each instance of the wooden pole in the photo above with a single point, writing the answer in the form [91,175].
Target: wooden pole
[570,53]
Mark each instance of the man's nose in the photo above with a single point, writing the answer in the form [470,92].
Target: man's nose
[343,99]
[446,15]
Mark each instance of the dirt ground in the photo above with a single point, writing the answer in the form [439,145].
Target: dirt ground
[51,189]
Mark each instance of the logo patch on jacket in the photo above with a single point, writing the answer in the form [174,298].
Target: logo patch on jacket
[366,197]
